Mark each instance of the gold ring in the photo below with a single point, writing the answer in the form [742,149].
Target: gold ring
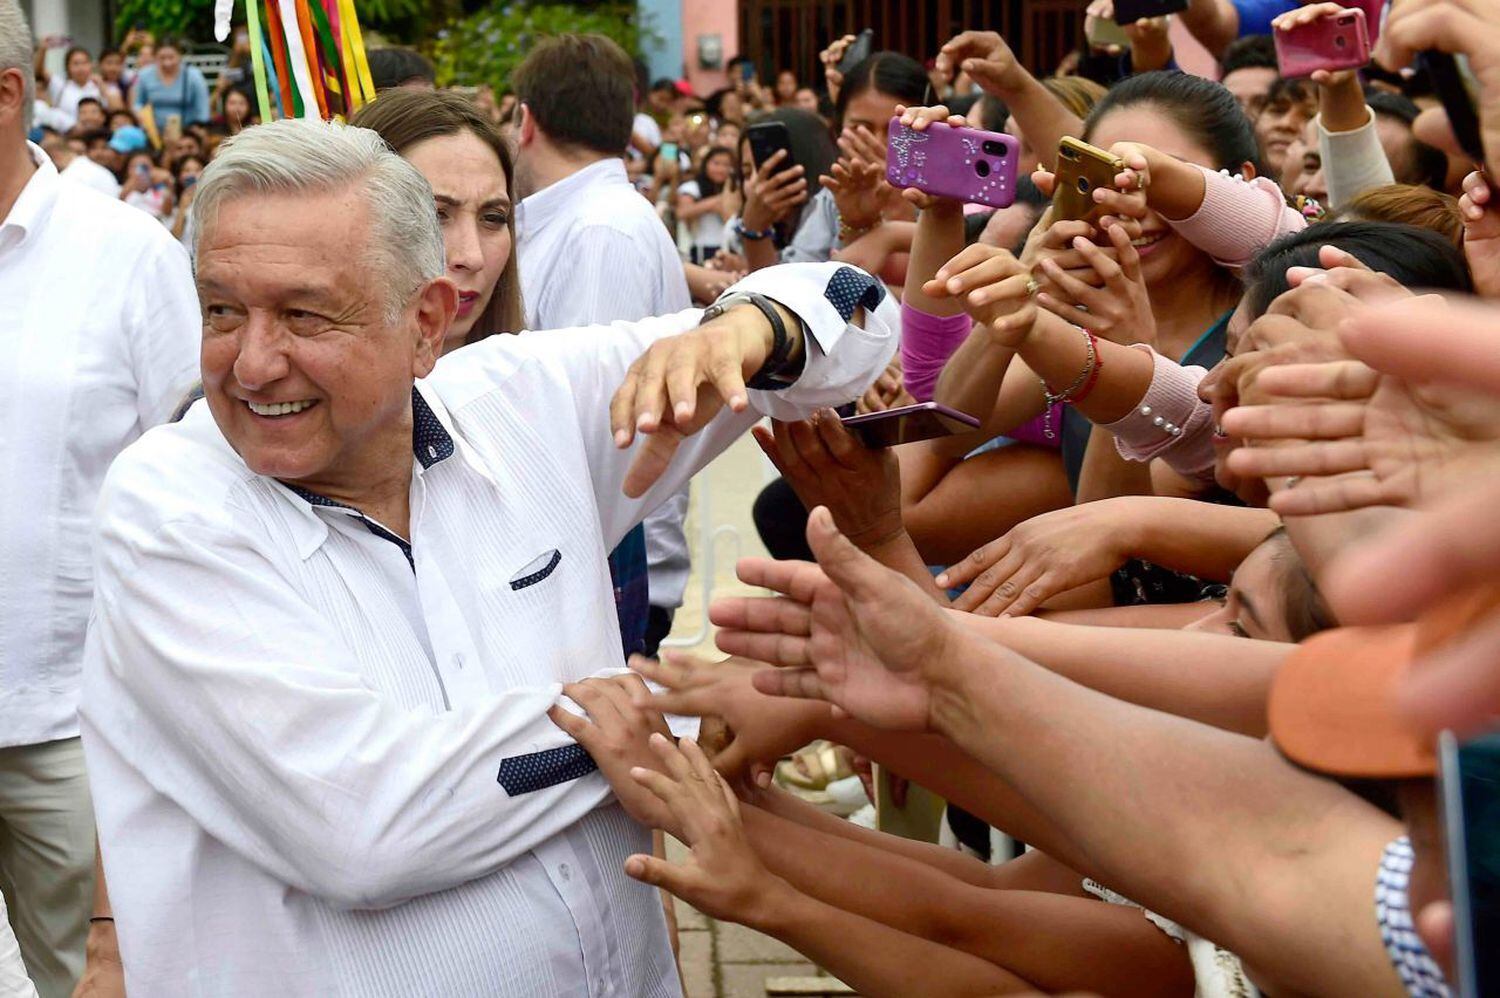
[1031,287]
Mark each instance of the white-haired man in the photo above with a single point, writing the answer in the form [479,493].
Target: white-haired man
[98,342]
[337,603]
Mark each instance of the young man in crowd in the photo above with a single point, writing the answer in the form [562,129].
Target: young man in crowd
[593,251]
[100,343]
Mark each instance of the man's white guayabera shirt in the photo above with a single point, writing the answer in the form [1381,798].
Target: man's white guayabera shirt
[320,756]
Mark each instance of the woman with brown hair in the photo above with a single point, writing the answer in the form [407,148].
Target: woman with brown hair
[460,152]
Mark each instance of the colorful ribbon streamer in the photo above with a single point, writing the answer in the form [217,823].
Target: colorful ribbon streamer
[308,57]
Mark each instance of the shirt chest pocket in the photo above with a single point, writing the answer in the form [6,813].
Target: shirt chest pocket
[537,571]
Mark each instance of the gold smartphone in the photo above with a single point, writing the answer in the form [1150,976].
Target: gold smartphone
[1080,168]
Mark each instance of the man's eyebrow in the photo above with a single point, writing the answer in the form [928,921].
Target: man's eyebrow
[1248,605]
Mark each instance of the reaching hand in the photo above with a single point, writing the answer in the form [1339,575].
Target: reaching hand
[620,720]
[1481,233]
[1459,26]
[986,58]
[1040,558]
[762,728]
[723,878]
[993,287]
[858,180]
[827,466]
[845,630]
[680,383]
[830,58]
[1413,442]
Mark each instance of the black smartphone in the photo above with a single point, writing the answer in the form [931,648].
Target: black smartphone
[858,50]
[765,138]
[1459,91]
[909,423]
[1470,784]
[1131,11]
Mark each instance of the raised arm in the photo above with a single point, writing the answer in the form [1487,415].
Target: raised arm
[1262,839]
[989,62]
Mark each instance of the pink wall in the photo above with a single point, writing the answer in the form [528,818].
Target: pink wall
[708,17]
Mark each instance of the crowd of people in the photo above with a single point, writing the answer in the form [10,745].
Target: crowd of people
[350,463]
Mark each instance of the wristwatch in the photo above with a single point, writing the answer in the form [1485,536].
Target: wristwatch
[774,374]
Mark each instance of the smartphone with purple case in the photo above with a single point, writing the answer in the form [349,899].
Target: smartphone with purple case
[1331,43]
[965,164]
[909,423]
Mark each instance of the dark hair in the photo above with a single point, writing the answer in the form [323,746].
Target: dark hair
[579,88]
[706,187]
[1423,164]
[665,83]
[405,117]
[714,102]
[1202,108]
[95,135]
[974,224]
[1306,612]
[105,54]
[1249,52]
[883,72]
[68,56]
[91,100]
[127,112]
[394,65]
[992,113]
[170,42]
[962,104]
[1294,89]
[177,170]
[1415,258]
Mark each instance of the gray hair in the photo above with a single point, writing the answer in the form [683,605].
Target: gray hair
[307,155]
[15,53]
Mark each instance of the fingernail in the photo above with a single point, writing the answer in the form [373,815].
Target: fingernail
[682,410]
[738,403]
[643,420]
[1079,242]
[622,437]
[942,581]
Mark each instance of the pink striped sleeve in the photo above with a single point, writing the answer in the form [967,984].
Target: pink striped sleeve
[927,341]
[1238,218]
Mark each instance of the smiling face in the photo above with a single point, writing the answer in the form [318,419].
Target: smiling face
[1279,124]
[304,375]
[1164,254]
[168,61]
[473,206]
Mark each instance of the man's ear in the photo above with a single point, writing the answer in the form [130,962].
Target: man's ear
[1247,170]
[437,303]
[13,94]
[525,126]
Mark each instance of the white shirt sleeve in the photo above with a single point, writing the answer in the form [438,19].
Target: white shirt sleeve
[165,330]
[232,694]
[1353,162]
[842,361]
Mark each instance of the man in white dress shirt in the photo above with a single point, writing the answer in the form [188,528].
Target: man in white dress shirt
[98,342]
[592,251]
[336,603]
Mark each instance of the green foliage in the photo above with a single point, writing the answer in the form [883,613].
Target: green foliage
[487,45]
[194,19]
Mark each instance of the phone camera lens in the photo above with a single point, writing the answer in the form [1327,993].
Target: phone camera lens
[994,148]
[982,168]
[1083,185]
[1339,42]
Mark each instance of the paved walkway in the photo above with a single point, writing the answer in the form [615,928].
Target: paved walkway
[721,959]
